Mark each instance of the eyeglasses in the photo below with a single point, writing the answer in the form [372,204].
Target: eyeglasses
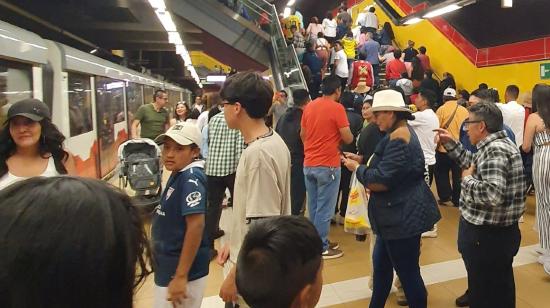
[468,122]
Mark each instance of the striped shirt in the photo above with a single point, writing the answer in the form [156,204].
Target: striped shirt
[495,193]
[225,146]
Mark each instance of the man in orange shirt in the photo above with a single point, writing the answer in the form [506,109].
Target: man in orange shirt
[324,127]
[395,68]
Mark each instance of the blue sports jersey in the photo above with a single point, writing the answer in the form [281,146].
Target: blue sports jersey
[185,194]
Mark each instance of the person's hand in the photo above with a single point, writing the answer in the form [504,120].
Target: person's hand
[350,164]
[353,156]
[223,255]
[228,290]
[468,171]
[177,290]
[442,135]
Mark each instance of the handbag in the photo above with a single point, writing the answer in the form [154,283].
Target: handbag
[356,220]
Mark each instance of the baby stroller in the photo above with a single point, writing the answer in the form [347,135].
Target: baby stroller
[140,167]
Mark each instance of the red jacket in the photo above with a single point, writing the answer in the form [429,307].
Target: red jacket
[394,69]
[361,71]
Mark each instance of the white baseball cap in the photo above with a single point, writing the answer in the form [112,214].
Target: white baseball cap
[449,92]
[182,133]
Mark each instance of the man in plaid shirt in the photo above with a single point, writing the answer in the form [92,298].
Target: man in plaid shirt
[225,146]
[491,202]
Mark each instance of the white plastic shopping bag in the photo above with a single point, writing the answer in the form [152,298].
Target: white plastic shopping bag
[357,220]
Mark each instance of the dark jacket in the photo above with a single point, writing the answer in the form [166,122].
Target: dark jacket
[408,207]
[288,127]
[355,125]
[368,140]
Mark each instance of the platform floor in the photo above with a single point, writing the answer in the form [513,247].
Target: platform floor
[345,279]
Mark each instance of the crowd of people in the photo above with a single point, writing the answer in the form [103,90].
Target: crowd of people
[248,149]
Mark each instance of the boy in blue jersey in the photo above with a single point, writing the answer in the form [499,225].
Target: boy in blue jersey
[179,238]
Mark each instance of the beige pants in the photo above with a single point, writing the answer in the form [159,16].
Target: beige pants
[195,292]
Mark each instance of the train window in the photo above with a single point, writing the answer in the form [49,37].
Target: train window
[15,84]
[148,93]
[110,99]
[134,99]
[173,99]
[80,104]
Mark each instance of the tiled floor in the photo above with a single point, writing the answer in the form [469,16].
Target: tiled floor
[443,270]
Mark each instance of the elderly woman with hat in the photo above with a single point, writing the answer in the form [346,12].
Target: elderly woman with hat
[401,205]
[31,145]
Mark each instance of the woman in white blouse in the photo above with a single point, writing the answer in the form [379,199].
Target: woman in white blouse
[329,27]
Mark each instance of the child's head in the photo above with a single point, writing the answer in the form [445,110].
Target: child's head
[280,264]
[181,145]
[246,95]
[75,235]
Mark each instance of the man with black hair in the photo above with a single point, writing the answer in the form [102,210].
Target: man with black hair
[410,52]
[395,68]
[312,61]
[424,59]
[153,118]
[491,204]
[288,127]
[513,113]
[324,127]
[262,182]
[280,264]
[429,83]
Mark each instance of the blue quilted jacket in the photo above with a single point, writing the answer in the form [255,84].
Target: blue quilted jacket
[405,206]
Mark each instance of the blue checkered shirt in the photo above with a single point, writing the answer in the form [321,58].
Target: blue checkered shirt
[495,193]
[225,146]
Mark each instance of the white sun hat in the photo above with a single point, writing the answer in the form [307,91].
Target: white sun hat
[389,100]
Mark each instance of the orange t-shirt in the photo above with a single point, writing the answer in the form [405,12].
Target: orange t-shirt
[321,121]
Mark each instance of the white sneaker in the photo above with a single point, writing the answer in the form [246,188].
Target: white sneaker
[544,259]
[431,234]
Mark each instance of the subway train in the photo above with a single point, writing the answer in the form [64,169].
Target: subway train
[92,100]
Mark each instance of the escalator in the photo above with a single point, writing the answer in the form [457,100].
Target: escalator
[253,29]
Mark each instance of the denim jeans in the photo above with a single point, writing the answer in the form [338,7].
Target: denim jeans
[403,256]
[322,185]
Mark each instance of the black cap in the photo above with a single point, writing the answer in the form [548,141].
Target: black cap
[30,108]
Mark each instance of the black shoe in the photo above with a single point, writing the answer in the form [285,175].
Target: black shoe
[463,301]
[443,202]
[402,302]
[219,233]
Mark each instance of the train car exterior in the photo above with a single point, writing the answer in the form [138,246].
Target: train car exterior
[93,101]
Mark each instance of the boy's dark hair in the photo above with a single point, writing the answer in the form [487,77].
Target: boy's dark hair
[489,113]
[483,86]
[513,91]
[347,99]
[330,85]
[465,94]
[251,90]
[429,96]
[422,50]
[339,43]
[397,54]
[73,238]
[278,258]
[300,97]
[372,9]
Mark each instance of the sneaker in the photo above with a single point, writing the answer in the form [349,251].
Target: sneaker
[332,254]
[443,202]
[339,219]
[521,219]
[463,300]
[542,251]
[333,245]
[544,259]
[430,234]
[402,301]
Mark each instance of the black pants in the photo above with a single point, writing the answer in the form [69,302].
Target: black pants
[443,165]
[297,187]
[343,83]
[345,180]
[488,253]
[376,72]
[216,192]
[429,174]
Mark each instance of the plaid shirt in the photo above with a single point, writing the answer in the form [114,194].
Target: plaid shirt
[298,40]
[225,146]
[495,193]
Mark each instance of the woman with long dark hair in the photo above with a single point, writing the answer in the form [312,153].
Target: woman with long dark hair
[181,112]
[70,242]
[31,145]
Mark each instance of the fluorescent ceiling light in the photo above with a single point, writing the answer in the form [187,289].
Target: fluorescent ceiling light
[216,78]
[443,10]
[174,38]
[158,4]
[287,12]
[413,21]
[166,21]
[507,3]
[291,2]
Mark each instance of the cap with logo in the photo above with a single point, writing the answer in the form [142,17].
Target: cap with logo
[183,134]
[30,108]
[449,92]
